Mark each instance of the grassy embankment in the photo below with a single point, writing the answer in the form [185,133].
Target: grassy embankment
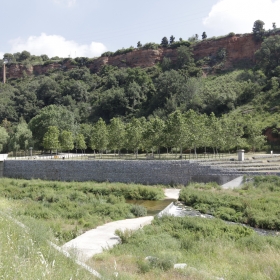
[70,208]
[256,203]
[210,247]
[57,211]
[25,253]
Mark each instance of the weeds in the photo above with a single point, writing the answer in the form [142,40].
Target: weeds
[71,208]
[211,249]
[255,204]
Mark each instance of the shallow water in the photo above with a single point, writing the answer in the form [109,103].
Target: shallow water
[153,206]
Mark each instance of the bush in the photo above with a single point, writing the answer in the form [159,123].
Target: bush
[255,204]
[178,44]
[138,211]
[151,46]
[107,54]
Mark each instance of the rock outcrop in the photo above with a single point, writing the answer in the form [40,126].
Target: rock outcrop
[239,49]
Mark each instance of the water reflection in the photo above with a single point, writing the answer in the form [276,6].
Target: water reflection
[153,206]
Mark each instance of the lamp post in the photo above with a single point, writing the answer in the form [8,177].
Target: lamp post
[5,61]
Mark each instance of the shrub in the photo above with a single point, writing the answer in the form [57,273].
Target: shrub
[107,54]
[178,44]
[138,210]
[124,235]
[151,46]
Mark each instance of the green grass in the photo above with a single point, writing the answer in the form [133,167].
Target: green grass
[256,203]
[26,254]
[210,248]
[71,208]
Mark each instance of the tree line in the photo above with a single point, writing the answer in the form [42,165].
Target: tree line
[187,131]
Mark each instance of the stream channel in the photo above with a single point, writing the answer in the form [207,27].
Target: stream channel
[154,207]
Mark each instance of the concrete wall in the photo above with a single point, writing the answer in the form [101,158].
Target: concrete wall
[145,172]
[1,168]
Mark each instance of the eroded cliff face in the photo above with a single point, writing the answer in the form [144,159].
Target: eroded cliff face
[239,48]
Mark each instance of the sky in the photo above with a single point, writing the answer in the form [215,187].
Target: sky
[74,28]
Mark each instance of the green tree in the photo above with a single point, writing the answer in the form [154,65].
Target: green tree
[139,45]
[194,129]
[9,57]
[166,64]
[66,141]
[4,136]
[274,25]
[86,130]
[253,131]
[153,134]
[51,139]
[204,35]
[80,142]
[268,56]
[52,115]
[258,30]
[176,129]
[21,137]
[116,134]
[99,136]
[184,56]
[172,39]
[134,134]
[217,133]
[232,132]
[24,56]
[164,42]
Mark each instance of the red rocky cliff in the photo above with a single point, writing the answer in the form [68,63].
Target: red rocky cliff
[239,48]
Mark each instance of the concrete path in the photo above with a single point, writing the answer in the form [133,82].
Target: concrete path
[103,237]
[237,182]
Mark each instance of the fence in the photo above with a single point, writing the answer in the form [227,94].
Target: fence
[75,156]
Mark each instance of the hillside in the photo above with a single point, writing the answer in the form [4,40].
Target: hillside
[239,48]
[235,75]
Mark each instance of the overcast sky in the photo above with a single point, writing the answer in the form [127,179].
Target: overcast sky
[90,27]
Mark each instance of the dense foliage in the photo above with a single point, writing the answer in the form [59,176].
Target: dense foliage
[70,208]
[255,204]
[74,100]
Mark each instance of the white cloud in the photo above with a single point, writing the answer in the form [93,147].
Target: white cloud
[239,15]
[68,3]
[55,45]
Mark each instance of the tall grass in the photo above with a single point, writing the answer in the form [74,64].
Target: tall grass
[211,249]
[26,254]
[256,203]
[71,208]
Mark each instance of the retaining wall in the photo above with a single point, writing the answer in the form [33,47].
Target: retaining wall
[144,172]
[1,168]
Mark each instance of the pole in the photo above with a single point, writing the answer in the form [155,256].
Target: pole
[4,72]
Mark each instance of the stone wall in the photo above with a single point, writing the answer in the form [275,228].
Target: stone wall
[144,172]
[1,168]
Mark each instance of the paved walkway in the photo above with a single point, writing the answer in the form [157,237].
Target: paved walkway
[103,237]
[96,240]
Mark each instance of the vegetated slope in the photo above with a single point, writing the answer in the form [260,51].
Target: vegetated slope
[206,84]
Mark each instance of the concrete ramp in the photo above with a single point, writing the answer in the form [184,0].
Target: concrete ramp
[235,183]
[94,241]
